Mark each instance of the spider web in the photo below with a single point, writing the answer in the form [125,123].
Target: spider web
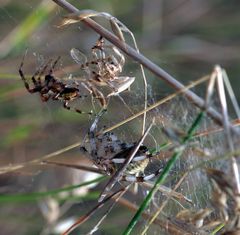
[55,128]
[177,114]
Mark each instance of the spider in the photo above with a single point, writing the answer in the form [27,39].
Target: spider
[103,68]
[109,154]
[51,87]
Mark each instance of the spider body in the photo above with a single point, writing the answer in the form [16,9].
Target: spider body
[103,69]
[138,164]
[109,153]
[69,93]
[110,61]
[50,87]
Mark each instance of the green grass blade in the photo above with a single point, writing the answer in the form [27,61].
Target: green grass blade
[32,22]
[217,229]
[163,175]
[38,195]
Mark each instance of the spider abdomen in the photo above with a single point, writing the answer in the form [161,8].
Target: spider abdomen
[136,167]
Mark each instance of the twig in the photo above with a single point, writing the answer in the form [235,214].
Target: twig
[226,123]
[84,218]
[116,199]
[74,166]
[216,116]
[16,167]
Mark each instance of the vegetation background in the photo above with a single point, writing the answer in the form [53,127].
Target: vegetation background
[186,38]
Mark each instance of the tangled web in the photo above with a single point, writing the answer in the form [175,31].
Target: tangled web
[173,141]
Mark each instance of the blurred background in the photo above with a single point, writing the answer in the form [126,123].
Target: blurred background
[186,38]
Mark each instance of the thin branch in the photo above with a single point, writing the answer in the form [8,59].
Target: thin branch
[74,166]
[226,123]
[160,73]
[85,217]
[16,167]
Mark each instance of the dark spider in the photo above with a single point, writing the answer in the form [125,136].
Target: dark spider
[109,153]
[50,87]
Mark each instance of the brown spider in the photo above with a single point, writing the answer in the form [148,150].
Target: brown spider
[50,87]
[103,69]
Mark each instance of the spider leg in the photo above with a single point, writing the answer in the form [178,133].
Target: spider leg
[99,46]
[66,106]
[135,159]
[20,71]
[139,179]
[25,81]
[99,55]
[42,70]
[93,127]
[96,94]
[54,65]
[121,59]
[99,95]
[45,97]
[39,73]
[30,90]
[92,134]
[97,79]
[120,84]
[49,76]
[82,60]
